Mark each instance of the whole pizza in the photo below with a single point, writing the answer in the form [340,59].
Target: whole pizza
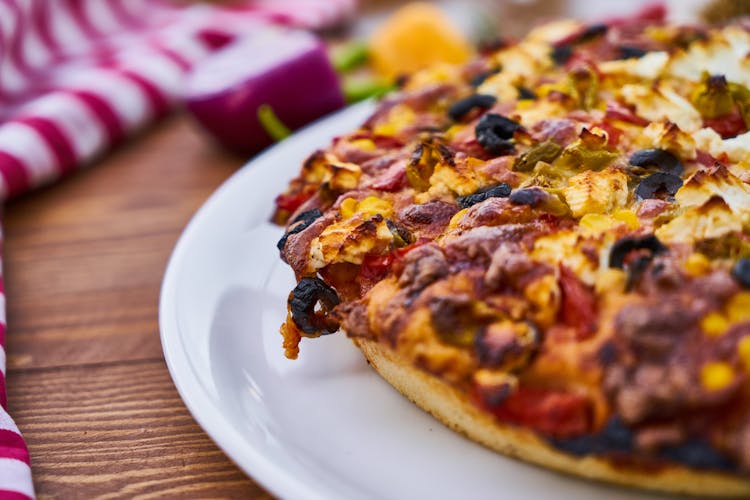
[549,249]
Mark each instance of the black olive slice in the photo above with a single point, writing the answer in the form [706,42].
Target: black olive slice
[308,293]
[624,246]
[660,182]
[659,158]
[299,224]
[631,52]
[532,196]
[495,133]
[591,32]
[741,272]
[502,190]
[561,54]
[525,94]
[461,108]
[481,77]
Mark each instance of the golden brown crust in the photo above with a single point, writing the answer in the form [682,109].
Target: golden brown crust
[453,408]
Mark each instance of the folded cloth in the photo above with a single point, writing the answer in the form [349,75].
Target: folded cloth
[79,76]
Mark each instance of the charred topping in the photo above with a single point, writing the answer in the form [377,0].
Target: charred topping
[525,93]
[532,196]
[461,108]
[495,133]
[502,190]
[636,269]
[299,224]
[506,346]
[401,236]
[546,151]
[663,160]
[561,54]
[302,302]
[481,77]
[624,246]
[563,49]
[423,160]
[697,454]
[591,32]
[658,183]
[613,437]
[631,52]
[741,272]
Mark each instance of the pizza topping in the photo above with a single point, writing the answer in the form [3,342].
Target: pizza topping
[556,414]
[422,266]
[625,246]
[461,108]
[741,272]
[300,223]
[658,185]
[501,190]
[659,158]
[456,318]
[495,133]
[532,196]
[310,304]
[614,437]
[423,161]
[561,54]
[481,77]
[578,307]
[525,93]
[427,220]
[630,52]
[546,151]
[506,345]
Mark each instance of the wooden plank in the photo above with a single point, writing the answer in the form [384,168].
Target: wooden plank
[83,260]
[118,430]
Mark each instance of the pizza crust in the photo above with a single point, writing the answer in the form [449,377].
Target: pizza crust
[455,410]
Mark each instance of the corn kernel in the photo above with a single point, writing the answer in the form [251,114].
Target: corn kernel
[716,375]
[609,280]
[628,217]
[348,207]
[373,205]
[595,224]
[697,264]
[457,218]
[398,118]
[743,349]
[714,324]
[363,144]
[738,307]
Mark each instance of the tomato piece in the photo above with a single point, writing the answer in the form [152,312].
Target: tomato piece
[616,111]
[613,133]
[373,269]
[578,304]
[727,126]
[557,414]
[292,201]
[393,182]
[705,158]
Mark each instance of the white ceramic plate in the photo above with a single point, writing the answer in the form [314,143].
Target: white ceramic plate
[325,426]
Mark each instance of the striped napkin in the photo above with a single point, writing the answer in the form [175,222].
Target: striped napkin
[79,76]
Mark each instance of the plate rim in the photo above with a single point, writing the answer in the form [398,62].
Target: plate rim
[260,469]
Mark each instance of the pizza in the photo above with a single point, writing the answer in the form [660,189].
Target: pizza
[548,248]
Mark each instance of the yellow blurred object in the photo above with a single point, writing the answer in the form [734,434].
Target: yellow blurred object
[716,375]
[416,36]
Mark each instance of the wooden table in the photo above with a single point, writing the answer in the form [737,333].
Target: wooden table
[87,382]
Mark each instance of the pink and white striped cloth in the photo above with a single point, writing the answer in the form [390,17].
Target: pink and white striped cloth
[79,76]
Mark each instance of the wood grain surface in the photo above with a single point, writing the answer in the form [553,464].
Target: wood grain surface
[87,382]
